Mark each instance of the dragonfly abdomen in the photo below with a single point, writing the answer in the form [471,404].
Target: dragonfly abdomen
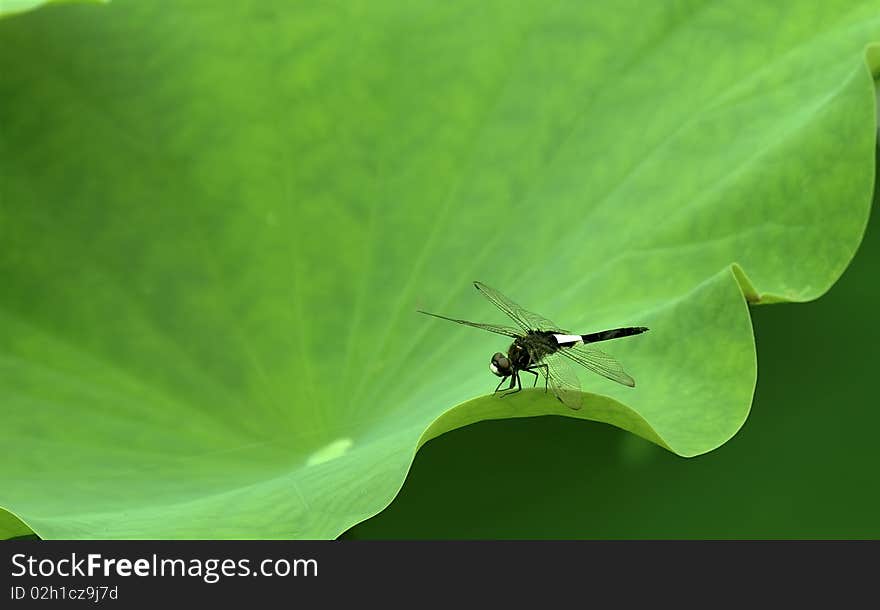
[571,340]
[614,333]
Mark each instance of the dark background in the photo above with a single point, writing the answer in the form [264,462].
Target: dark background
[806,464]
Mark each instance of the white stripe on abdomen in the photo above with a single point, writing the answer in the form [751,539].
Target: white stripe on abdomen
[567,339]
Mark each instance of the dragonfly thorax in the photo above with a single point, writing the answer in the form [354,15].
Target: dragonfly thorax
[519,356]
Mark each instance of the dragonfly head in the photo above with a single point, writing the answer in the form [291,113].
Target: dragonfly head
[500,365]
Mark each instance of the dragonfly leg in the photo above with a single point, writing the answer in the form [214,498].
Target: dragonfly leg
[531,372]
[503,379]
[514,381]
[544,366]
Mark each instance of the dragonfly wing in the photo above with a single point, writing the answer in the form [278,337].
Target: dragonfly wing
[524,318]
[492,328]
[563,381]
[598,362]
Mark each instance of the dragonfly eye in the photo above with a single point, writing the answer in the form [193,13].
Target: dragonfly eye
[500,365]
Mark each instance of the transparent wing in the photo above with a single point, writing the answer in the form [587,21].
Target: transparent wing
[492,328]
[598,362]
[524,318]
[563,381]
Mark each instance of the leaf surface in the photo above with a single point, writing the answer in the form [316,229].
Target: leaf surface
[219,222]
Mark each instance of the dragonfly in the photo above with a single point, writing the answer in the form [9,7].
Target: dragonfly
[541,346]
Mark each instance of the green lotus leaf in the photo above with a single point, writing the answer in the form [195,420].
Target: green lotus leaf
[219,222]
[11,7]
